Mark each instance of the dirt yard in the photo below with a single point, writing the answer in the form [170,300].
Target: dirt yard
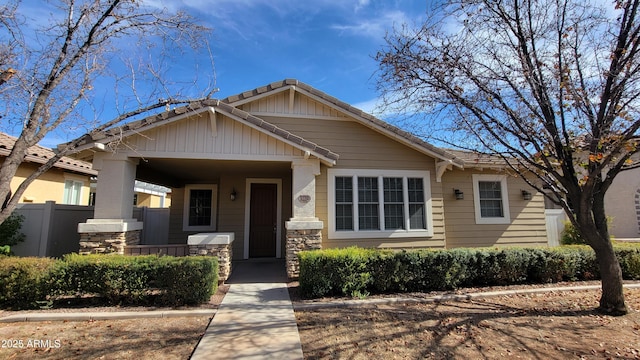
[150,338]
[536,326]
[171,338]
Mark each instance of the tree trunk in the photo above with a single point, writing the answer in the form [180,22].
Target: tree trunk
[612,299]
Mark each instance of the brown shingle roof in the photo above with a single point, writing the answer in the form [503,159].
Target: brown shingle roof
[39,154]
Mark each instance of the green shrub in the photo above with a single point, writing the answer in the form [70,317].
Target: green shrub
[629,258]
[186,280]
[570,235]
[23,281]
[140,280]
[10,234]
[354,271]
[342,272]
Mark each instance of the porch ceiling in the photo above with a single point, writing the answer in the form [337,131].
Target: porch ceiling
[177,172]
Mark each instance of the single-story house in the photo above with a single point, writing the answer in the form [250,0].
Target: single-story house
[68,182]
[286,167]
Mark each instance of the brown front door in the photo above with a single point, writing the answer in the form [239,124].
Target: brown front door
[263,220]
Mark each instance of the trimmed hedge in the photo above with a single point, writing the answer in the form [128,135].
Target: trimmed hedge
[22,281]
[130,280]
[355,271]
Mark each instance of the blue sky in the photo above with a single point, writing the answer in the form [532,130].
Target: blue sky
[328,44]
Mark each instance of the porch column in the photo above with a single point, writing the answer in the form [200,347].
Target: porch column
[304,229]
[113,226]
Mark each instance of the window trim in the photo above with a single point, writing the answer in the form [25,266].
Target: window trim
[379,234]
[506,219]
[67,193]
[214,207]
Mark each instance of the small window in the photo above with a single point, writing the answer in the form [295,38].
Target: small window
[379,204]
[200,202]
[344,203]
[72,192]
[490,199]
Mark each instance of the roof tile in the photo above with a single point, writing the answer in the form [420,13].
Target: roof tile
[39,154]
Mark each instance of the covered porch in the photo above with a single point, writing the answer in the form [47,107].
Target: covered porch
[226,175]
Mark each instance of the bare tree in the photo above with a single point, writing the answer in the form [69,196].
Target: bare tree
[550,85]
[49,70]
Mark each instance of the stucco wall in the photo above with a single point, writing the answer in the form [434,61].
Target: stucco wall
[49,186]
[622,204]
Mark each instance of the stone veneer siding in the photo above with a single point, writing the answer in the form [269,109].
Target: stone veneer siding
[107,242]
[222,251]
[297,241]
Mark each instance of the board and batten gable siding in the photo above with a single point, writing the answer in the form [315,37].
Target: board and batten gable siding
[303,107]
[527,226]
[193,138]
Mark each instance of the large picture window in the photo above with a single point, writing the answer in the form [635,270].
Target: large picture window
[200,204]
[490,199]
[379,204]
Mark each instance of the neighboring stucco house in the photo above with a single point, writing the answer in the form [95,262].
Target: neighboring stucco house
[622,205]
[286,167]
[67,182]
[151,195]
[144,195]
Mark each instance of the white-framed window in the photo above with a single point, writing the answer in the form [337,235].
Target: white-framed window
[72,192]
[490,198]
[200,207]
[379,204]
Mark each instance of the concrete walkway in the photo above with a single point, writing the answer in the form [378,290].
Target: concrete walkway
[255,319]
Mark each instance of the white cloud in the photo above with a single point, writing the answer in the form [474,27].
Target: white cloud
[374,27]
[361,4]
[375,107]
[248,17]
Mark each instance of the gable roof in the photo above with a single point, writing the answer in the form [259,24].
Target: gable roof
[229,107]
[364,118]
[40,155]
[203,106]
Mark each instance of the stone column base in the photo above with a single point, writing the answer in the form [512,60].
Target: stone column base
[108,236]
[214,244]
[107,242]
[300,240]
[224,253]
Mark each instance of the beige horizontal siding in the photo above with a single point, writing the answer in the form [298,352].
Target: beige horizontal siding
[404,243]
[527,227]
[359,147]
